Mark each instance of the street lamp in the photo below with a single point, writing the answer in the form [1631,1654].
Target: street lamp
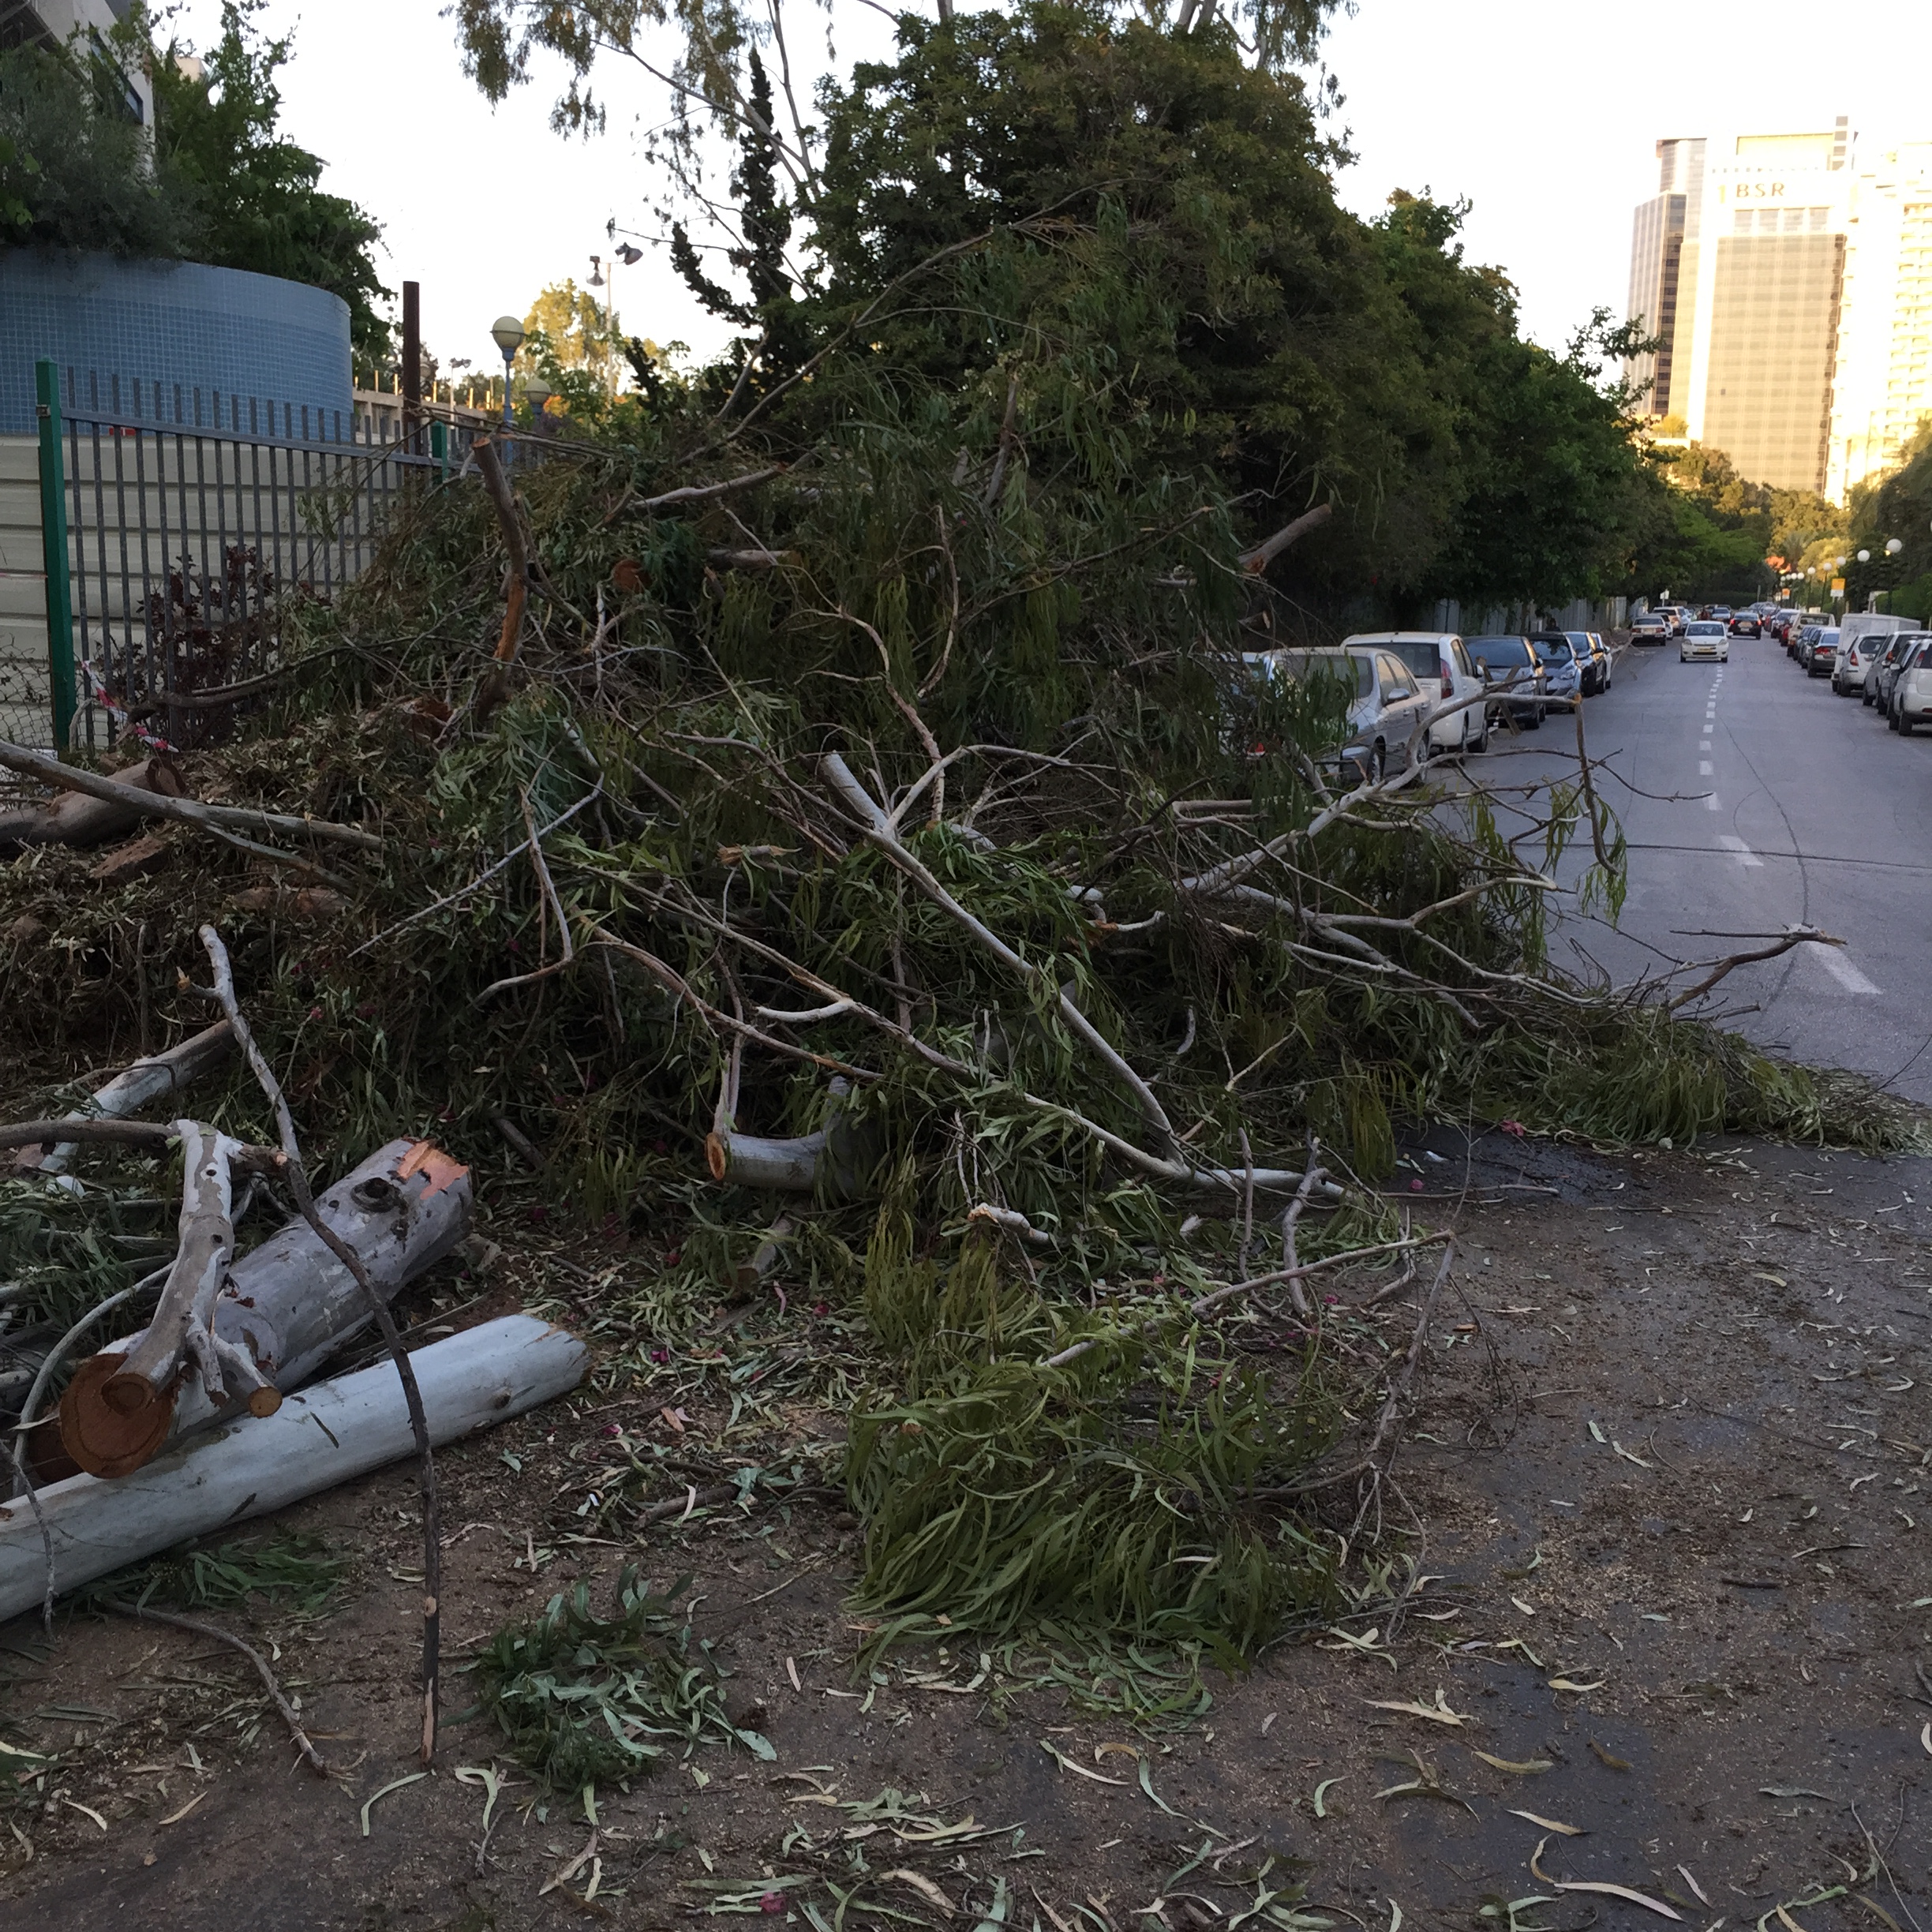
[536,392]
[507,332]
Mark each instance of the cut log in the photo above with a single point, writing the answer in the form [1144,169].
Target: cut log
[146,1081]
[283,1311]
[74,818]
[324,1435]
[836,1155]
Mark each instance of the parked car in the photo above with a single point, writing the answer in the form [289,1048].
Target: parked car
[1852,662]
[1885,669]
[1820,653]
[1512,669]
[1651,628]
[1911,703]
[1706,640]
[1596,659]
[1564,666]
[1802,638]
[1387,720]
[1747,624]
[1441,666]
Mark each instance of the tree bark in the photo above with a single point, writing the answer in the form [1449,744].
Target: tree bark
[284,1309]
[80,819]
[1256,561]
[325,1435]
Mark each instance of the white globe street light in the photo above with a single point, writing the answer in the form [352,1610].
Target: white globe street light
[507,332]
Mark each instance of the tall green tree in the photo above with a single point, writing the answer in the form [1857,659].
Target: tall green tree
[259,194]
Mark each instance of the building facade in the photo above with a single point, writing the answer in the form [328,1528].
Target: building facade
[88,25]
[1788,279]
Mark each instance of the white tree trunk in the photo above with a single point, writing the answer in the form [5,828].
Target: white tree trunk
[320,1436]
[286,1306]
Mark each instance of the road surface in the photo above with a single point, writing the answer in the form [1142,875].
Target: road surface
[1775,802]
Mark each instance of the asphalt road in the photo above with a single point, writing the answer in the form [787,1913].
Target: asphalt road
[1773,802]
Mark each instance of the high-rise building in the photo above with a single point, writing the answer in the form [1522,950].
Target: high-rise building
[1789,279]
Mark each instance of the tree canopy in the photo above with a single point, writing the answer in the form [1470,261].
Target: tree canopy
[1121,235]
[214,181]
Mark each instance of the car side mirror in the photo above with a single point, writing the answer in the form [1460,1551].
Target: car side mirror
[1482,669]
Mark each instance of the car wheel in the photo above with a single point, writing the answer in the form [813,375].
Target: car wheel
[1904,724]
[1891,720]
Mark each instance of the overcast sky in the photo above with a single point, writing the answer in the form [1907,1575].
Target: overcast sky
[1544,116]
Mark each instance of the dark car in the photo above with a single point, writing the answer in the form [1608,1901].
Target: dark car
[1512,667]
[1820,653]
[1747,624]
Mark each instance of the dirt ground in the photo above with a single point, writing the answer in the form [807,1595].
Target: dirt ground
[1669,1481]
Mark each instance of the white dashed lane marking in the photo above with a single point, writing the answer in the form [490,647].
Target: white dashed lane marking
[1705,768]
[1841,969]
[1739,851]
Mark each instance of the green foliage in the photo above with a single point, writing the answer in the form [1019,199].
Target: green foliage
[1898,505]
[70,1249]
[78,174]
[1106,1495]
[292,1569]
[583,1699]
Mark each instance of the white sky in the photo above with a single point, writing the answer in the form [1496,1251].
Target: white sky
[1544,116]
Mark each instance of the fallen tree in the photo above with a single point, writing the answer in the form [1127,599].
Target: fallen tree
[328,1434]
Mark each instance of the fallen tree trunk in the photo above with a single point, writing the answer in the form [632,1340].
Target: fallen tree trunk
[146,1080]
[225,820]
[81,819]
[282,1310]
[325,1435]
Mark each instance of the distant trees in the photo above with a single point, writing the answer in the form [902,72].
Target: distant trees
[213,181]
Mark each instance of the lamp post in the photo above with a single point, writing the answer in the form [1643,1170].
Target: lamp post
[536,392]
[507,332]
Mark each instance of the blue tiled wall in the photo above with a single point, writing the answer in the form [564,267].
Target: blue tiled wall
[167,323]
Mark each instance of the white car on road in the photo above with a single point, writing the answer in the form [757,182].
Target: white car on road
[1440,661]
[1706,640]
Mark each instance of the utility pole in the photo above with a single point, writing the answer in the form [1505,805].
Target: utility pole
[412,356]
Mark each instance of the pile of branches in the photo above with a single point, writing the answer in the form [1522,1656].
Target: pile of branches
[870,795]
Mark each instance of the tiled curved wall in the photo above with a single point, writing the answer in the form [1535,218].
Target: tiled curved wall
[168,323]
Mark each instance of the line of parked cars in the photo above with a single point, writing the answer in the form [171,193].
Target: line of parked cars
[1678,620]
[1885,661]
[1418,694]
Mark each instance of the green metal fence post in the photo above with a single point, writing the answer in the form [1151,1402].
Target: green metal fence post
[54,553]
[439,448]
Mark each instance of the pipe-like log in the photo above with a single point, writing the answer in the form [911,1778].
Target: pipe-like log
[322,1435]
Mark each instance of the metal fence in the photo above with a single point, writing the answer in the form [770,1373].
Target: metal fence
[194,521]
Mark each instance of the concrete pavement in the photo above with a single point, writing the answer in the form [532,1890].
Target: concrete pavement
[1753,797]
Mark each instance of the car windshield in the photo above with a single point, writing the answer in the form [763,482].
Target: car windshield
[1580,638]
[1502,653]
[1706,630]
[1825,637]
[1556,650]
[1305,666]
